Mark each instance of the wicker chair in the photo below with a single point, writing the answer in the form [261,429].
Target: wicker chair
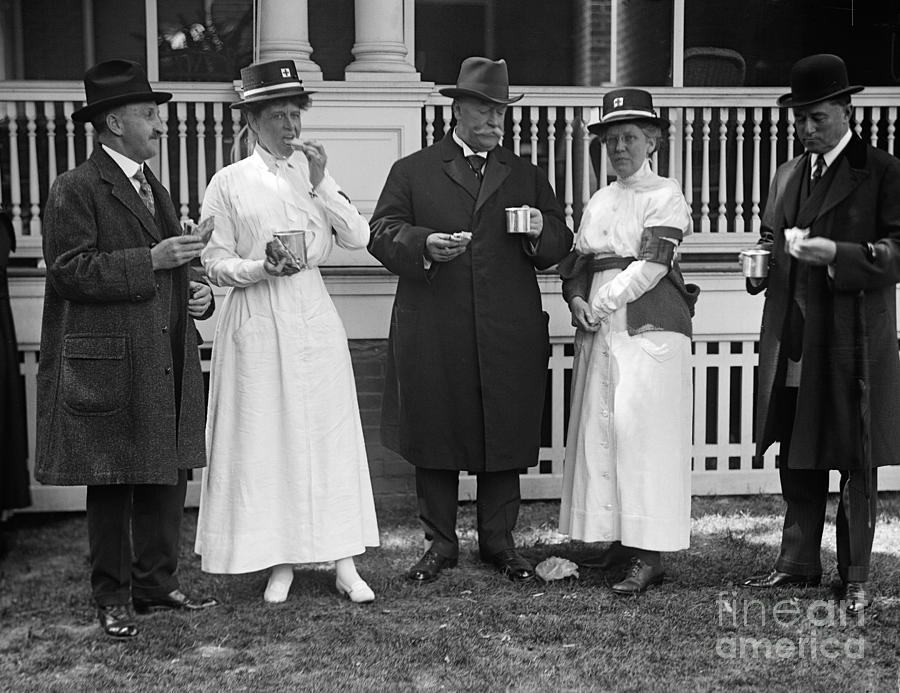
[713,67]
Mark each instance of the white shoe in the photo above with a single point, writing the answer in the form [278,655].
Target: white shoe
[278,587]
[359,592]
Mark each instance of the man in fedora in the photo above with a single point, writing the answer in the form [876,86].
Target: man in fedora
[120,392]
[469,345]
[829,374]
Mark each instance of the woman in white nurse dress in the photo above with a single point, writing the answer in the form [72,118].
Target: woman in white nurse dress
[288,479]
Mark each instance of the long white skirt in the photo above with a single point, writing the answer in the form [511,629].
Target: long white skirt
[628,456]
[287,479]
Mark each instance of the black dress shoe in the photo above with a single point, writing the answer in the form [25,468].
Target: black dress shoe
[776,578]
[512,565]
[117,621]
[429,566]
[853,596]
[176,599]
[639,577]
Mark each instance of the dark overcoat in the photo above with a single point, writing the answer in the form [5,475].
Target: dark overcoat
[469,345]
[850,328]
[107,376]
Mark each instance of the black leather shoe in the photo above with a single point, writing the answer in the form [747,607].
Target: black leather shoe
[117,621]
[639,577]
[854,598]
[176,599]
[776,578]
[429,566]
[512,565]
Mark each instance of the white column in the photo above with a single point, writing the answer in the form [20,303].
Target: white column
[380,49]
[284,34]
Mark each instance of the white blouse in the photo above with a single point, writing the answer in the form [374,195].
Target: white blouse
[613,225]
[255,197]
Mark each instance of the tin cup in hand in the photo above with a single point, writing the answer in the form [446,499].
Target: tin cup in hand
[754,263]
[296,242]
[518,219]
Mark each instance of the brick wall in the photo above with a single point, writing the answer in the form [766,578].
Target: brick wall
[391,474]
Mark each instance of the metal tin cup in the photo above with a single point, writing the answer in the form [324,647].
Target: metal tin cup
[518,220]
[754,263]
[296,242]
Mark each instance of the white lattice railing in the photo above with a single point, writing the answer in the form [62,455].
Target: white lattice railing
[723,146]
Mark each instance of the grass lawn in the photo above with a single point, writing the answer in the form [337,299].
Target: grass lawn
[469,630]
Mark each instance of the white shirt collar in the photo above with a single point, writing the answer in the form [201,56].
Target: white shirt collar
[129,166]
[831,155]
[467,150]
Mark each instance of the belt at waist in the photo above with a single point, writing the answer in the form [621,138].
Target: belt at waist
[599,264]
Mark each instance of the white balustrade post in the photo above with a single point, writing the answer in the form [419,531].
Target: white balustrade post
[689,157]
[200,116]
[568,192]
[380,49]
[551,146]
[754,193]
[284,35]
[34,187]
[50,115]
[517,129]
[706,116]
[15,185]
[873,128]
[722,220]
[773,142]
[891,128]
[533,114]
[740,116]
[183,188]
[218,129]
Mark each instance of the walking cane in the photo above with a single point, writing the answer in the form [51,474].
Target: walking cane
[862,380]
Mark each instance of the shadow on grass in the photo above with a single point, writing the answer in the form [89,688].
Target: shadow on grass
[469,630]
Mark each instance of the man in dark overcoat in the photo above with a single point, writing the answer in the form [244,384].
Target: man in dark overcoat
[469,341]
[829,374]
[120,393]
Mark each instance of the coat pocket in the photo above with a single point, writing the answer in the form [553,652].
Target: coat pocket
[96,374]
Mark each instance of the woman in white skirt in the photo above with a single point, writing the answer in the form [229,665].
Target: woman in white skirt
[288,479]
[628,453]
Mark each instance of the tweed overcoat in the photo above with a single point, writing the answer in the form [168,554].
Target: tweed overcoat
[850,327]
[468,348]
[106,380]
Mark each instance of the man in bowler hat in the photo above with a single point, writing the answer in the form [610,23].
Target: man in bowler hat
[829,373]
[120,392]
[469,344]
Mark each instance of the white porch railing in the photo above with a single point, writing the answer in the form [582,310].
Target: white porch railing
[723,146]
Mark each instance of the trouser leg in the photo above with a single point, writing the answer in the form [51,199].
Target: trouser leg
[436,490]
[805,491]
[156,527]
[497,506]
[109,537]
[855,524]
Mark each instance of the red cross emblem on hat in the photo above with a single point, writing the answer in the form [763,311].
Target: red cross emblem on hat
[285,72]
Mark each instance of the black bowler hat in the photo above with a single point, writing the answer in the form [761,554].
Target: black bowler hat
[627,105]
[817,78]
[483,79]
[274,79]
[114,83]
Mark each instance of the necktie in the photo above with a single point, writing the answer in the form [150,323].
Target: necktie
[818,171]
[475,163]
[144,191]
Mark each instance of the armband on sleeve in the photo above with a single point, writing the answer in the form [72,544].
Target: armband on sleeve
[658,244]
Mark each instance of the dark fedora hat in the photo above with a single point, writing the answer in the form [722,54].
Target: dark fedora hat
[627,105]
[817,78]
[114,83]
[484,79]
[273,79]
